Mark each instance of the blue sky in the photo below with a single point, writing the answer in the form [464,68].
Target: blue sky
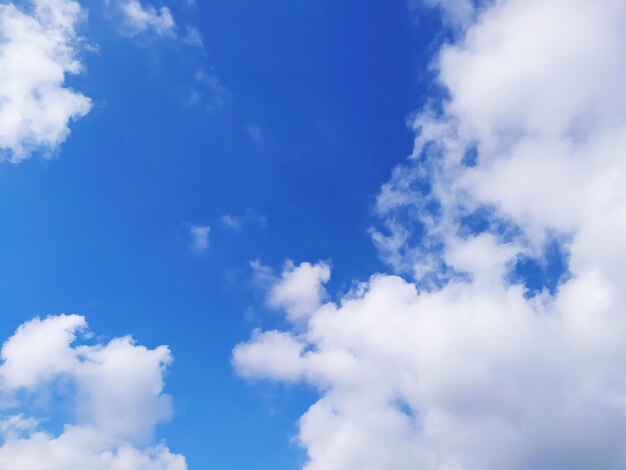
[102,228]
[373,234]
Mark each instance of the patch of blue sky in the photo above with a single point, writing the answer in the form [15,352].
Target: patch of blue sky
[543,273]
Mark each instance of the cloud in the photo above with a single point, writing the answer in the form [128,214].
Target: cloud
[38,47]
[211,85]
[232,222]
[199,238]
[248,217]
[299,290]
[462,366]
[264,276]
[114,396]
[138,18]
[255,133]
[192,37]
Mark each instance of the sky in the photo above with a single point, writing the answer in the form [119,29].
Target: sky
[322,235]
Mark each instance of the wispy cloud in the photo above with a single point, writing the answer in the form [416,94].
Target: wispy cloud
[199,238]
[249,217]
[208,91]
[138,17]
[255,133]
[192,37]
[232,222]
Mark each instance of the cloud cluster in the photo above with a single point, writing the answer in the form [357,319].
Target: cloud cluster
[38,47]
[462,367]
[113,392]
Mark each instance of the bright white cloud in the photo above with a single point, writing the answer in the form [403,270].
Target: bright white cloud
[199,238]
[114,391]
[462,368]
[38,47]
[299,290]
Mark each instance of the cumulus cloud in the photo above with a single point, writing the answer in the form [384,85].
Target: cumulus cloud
[199,238]
[299,290]
[115,396]
[38,48]
[463,367]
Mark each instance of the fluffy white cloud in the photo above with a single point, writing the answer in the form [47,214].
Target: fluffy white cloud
[199,238]
[300,290]
[38,47]
[462,368]
[115,400]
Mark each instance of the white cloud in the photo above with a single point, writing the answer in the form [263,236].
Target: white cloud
[248,217]
[264,275]
[299,290]
[192,37]
[462,368]
[115,396]
[232,222]
[138,17]
[38,47]
[199,238]
[215,92]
